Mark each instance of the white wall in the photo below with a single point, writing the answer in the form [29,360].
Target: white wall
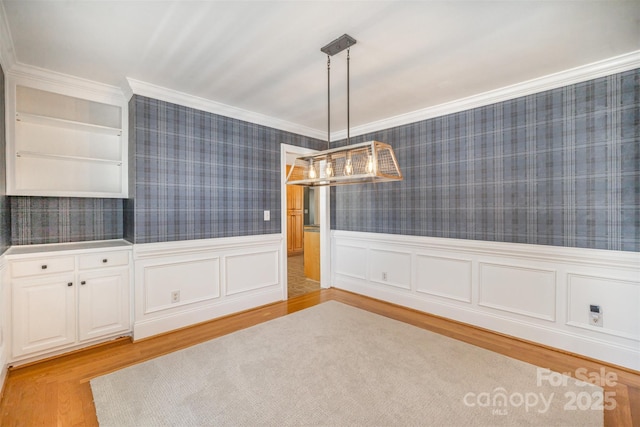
[214,277]
[538,293]
[3,319]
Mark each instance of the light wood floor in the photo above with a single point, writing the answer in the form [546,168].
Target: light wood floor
[57,391]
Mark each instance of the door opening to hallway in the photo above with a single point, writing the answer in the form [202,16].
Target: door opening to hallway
[303,240]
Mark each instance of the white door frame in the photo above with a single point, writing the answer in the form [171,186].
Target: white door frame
[289,151]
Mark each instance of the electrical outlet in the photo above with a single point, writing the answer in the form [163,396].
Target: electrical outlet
[175,296]
[267,215]
[384,276]
[595,315]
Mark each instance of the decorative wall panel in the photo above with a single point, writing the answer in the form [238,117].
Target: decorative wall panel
[618,301]
[391,268]
[350,261]
[560,168]
[250,271]
[520,290]
[191,280]
[444,277]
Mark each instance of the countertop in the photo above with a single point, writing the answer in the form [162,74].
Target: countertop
[63,247]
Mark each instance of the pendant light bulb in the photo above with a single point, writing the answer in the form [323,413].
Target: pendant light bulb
[348,166]
[312,171]
[370,164]
[329,168]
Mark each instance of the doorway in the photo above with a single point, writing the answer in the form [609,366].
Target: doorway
[304,221]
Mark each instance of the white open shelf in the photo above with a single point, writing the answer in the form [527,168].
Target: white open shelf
[63,157]
[66,124]
[62,145]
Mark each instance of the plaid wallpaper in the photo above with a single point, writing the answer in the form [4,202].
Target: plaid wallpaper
[5,217]
[129,204]
[36,220]
[200,175]
[560,167]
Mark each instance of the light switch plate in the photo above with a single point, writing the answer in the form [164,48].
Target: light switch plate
[267,215]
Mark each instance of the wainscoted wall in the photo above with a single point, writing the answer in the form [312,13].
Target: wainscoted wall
[37,220]
[559,168]
[181,283]
[538,293]
[5,215]
[199,175]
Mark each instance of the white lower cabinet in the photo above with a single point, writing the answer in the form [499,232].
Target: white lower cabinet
[67,301]
[44,313]
[103,303]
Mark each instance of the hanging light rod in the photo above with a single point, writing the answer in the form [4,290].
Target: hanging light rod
[371,161]
[343,42]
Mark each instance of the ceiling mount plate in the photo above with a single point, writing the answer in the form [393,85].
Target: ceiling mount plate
[338,45]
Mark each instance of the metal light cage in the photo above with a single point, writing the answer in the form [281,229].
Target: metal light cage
[371,161]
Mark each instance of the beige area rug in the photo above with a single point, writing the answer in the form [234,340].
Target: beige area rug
[336,365]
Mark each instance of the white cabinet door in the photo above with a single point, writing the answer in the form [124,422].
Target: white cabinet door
[103,307]
[44,313]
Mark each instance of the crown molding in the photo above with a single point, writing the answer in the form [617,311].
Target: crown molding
[99,91]
[617,64]
[7,52]
[157,92]
[67,84]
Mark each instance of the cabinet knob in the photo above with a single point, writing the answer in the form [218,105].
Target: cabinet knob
[70,284]
[84,282]
[104,261]
[44,267]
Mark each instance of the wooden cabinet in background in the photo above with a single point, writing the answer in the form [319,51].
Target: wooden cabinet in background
[295,219]
[312,253]
[295,235]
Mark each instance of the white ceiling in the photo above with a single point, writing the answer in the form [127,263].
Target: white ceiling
[264,56]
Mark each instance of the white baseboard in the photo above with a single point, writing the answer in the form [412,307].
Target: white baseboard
[537,293]
[191,316]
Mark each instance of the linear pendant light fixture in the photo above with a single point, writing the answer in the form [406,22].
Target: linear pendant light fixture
[371,161]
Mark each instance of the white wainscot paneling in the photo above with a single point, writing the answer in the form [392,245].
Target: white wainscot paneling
[350,261]
[527,291]
[444,277]
[391,268]
[619,301]
[195,280]
[215,277]
[246,272]
[534,292]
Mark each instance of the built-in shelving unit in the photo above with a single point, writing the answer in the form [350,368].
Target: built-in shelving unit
[65,145]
